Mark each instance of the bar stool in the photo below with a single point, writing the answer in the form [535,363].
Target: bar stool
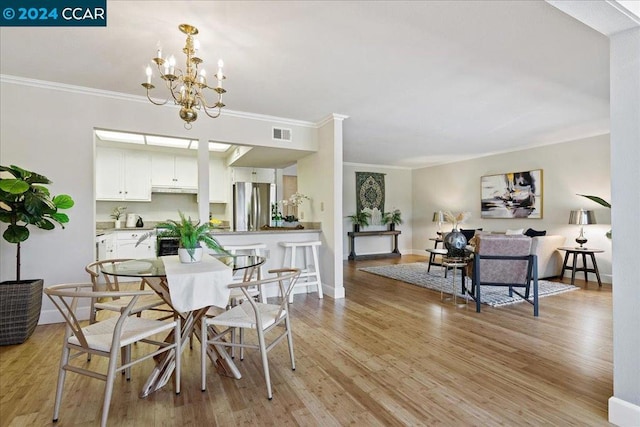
[251,274]
[310,273]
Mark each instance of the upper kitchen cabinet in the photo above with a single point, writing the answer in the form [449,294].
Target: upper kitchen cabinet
[123,174]
[174,171]
[253,175]
[218,181]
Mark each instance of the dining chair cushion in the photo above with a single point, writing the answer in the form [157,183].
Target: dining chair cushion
[99,335]
[145,302]
[243,316]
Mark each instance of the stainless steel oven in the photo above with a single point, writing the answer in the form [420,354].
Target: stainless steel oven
[166,245]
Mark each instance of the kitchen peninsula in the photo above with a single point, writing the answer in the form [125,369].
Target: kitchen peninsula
[121,243]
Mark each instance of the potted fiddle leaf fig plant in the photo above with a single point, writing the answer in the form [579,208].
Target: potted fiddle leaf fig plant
[392,219]
[190,236]
[25,202]
[359,219]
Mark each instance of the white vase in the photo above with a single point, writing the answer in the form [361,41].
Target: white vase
[185,258]
[117,223]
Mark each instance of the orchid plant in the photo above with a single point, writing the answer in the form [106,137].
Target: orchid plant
[295,200]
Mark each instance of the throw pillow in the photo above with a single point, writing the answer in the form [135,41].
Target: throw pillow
[533,233]
[468,233]
[474,239]
[510,232]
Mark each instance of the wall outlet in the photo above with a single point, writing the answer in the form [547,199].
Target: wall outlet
[321,206]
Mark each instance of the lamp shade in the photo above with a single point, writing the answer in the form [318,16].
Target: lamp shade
[582,217]
[438,216]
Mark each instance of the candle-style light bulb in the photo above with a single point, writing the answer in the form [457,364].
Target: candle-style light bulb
[219,74]
[159,53]
[203,76]
[172,64]
[149,73]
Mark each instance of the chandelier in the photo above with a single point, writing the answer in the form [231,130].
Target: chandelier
[187,88]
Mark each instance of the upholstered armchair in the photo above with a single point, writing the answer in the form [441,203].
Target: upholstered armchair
[501,260]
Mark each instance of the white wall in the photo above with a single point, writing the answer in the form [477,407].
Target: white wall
[54,136]
[320,177]
[624,406]
[398,194]
[576,167]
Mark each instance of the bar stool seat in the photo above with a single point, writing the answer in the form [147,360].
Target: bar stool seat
[310,268]
[249,274]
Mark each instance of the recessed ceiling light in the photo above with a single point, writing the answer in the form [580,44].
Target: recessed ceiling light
[218,146]
[131,138]
[167,142]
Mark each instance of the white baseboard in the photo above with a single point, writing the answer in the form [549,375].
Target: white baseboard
[53,316]
[623,413]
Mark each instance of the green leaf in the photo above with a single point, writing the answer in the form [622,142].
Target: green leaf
[61,218]
[597,199]
[13,186]
[16,234]
[45,224]
[63,201]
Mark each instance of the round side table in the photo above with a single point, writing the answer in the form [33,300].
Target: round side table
[455,265]
[584,252]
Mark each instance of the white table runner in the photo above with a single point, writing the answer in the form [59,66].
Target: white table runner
[197,285]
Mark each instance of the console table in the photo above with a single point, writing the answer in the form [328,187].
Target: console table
[352,244]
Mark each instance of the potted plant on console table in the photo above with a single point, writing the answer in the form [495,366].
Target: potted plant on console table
[392,219]
[359,219]
[24,202]
[190,236]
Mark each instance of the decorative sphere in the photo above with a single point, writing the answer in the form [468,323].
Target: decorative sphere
[188,114]
[455,242]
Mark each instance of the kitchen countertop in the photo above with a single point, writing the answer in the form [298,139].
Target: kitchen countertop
[278,231]
[219,232]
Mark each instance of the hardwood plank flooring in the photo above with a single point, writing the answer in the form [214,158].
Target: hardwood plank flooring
[389,354]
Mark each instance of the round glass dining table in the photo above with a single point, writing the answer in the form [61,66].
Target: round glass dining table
[152,272]
[154,267]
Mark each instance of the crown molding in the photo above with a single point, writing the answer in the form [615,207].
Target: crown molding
[330,118]
[43,84]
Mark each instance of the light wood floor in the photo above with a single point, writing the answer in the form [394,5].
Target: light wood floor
[389,354]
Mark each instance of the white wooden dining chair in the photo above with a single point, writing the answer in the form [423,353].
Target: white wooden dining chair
[107,338]
[104,282]
[253,315]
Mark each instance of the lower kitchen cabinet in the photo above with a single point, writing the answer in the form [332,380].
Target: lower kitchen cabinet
[125,245]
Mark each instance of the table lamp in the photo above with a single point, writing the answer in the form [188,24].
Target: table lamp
[582,217]
[439,218]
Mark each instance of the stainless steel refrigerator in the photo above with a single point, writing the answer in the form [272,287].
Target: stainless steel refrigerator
[252,205]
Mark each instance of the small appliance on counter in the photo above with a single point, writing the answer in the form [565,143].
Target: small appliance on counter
[131,220]
[139,222]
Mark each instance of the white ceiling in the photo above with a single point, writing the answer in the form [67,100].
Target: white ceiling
[422,82]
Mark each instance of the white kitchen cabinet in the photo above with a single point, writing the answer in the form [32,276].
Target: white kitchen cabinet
[218,181]
[254,175]
[169,170]
[126,245]
[106,247]
[122,174]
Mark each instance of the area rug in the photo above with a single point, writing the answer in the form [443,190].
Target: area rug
[495,296]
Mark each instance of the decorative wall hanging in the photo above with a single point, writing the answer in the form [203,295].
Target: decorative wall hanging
[512,195]
[370,193]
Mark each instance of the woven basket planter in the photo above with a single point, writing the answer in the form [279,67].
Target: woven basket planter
[20,304]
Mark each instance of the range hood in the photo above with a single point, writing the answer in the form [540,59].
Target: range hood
[180,190]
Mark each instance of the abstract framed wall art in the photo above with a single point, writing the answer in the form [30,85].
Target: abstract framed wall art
[512,195]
